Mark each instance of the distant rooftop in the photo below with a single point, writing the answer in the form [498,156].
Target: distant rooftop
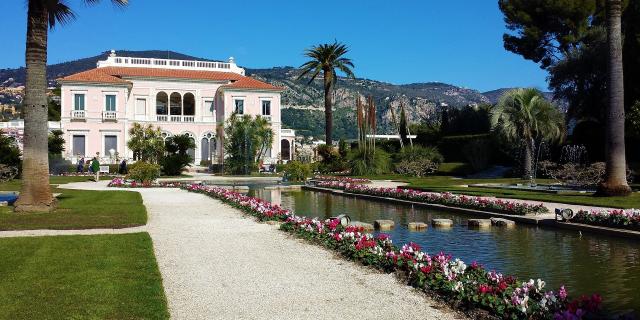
[116,61]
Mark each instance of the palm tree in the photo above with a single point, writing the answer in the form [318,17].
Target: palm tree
[524,115]
[326,58]
[615,182]
[42,15]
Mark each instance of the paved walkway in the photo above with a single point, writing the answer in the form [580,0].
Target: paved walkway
[217,263]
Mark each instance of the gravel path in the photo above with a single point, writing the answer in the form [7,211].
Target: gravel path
[217,263]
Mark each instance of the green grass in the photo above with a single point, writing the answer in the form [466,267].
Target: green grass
[451,184]
[80,277]
[79,209]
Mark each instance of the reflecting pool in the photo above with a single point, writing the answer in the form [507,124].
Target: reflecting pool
[584,264]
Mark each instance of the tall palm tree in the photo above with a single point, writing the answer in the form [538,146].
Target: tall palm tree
[615,182]
[326,58]
[524,115]
[42,15]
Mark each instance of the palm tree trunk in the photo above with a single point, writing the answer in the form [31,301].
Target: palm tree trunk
[328,112]
[528,160]
[616,166]
[35,194]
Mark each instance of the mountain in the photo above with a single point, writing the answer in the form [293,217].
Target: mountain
[303,102]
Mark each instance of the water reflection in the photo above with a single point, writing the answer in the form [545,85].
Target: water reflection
[587,264]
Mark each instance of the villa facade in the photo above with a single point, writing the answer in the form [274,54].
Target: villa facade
[99,106]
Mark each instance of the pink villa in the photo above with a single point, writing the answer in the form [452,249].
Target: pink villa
[179,96]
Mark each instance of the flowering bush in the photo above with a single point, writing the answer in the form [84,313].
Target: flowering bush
[125,183]
[446,198]
[617,218]
[341,179]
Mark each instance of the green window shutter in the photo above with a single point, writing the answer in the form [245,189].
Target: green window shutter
[110,102]
[79,102]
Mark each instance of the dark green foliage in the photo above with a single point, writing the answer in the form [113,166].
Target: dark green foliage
[451,146]
[415,153]
[56,142]
[365,163]
[297,171]
[343,149]
[9,151]
[331,160]
[478,153]
[467,120]
[176,158]
[246,138]
[427,134]
[568,39]
[310,123]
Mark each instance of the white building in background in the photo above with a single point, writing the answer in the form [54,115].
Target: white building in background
[191,97]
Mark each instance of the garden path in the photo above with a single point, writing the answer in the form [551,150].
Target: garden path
[217,263]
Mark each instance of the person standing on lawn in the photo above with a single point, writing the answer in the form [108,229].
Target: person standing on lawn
[95,166]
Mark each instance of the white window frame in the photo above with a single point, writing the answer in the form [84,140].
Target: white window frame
[244,105]
[109,132]
[104,98]
[205,106]
[262,100]
[84,101]
[135,106]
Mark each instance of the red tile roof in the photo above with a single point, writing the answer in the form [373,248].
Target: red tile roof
[116,75]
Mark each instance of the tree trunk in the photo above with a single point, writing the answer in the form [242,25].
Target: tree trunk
[328,112]
[35,194]
[528,160]
[615,183]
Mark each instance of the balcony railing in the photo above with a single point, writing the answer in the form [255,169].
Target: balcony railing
[78,114]
[267,117]
[108,115]
[175,118]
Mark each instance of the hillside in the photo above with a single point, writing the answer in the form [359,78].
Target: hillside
[303,103]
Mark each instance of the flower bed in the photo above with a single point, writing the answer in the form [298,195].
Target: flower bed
[446,198]
[468,287]
[617,218]
[124,183]
[342,179]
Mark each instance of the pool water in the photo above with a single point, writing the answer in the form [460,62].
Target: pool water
[10,198]
[584,264]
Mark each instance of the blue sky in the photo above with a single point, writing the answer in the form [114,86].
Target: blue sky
[456,41]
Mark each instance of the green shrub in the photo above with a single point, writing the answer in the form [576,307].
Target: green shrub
[297,171]
[143,171]
[331,159]
[58,165]
[174,164]
[364,163]
[478,153]
[415,153]
[451,146]
[280,167]
[205,163]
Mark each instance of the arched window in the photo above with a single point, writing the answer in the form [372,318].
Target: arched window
[162,101]
[165,135]
[189,104]
[175,104]
[208,146]
[191,151]
[285,149]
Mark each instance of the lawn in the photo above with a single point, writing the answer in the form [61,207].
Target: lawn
[451,184]
[80,277]
[79,209]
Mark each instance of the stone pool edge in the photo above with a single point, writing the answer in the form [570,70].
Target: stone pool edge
[531,220]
